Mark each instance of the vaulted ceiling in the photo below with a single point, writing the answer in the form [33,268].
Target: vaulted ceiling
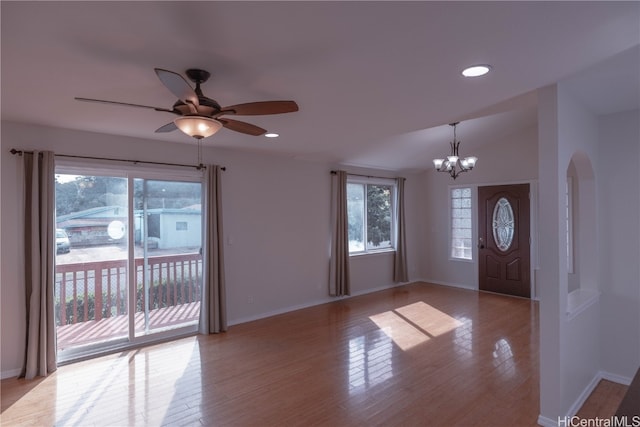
[376,82]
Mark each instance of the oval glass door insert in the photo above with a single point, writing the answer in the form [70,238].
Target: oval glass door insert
[503,224]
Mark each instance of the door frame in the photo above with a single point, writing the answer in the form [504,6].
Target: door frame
[533,230]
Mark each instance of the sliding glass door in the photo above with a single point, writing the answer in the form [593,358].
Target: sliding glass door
[168,261]
[128,262]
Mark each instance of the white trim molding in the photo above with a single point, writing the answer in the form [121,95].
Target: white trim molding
[573,410]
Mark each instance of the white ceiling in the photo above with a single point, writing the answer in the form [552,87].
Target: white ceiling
[376,82]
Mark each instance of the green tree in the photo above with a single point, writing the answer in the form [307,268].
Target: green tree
[355,211]
[167,194]
[378,214]
[376,205]
[86,192]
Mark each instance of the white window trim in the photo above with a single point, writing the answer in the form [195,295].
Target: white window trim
[356,179]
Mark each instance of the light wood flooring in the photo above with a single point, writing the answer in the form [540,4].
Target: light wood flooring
[419,354]
[603,401]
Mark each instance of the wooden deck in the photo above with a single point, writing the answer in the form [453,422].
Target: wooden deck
[103,330]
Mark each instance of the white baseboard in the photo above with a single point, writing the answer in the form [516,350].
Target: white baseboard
[615,378]
[584,395]
[12,373]
[325,300]
[547,422]
[600,375]
[453,285]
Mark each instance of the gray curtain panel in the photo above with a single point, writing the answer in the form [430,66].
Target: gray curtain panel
[39,240]
[339,265]
[400,263]
[213,310]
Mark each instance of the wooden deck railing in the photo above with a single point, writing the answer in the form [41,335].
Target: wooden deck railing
[97,290]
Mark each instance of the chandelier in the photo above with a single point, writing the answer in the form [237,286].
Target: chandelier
[453,164]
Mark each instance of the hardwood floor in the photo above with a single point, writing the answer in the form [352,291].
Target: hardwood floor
[420,354]
[603,401]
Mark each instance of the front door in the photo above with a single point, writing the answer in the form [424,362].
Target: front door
[503,239]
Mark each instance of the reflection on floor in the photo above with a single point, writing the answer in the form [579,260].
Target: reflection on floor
[419,354]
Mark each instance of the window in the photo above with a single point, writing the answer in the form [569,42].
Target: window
[182,226]
[371,214]
[461,232]
[503,224]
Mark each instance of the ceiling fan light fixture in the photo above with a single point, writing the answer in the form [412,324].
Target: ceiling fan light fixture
[198,127]
[476,70]
[271,135]
[197,112]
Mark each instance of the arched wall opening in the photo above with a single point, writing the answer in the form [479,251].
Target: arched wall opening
[582,239]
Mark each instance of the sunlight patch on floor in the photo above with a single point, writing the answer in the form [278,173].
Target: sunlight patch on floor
[403,333]
[98,385]
[414,324]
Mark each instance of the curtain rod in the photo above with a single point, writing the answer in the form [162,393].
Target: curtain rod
[200,166]
[366,176]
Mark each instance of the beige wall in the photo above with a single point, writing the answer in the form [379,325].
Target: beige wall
[513,159]
[276,226]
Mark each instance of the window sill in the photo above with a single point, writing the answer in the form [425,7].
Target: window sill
[378,252]
[461,259]
[579,300]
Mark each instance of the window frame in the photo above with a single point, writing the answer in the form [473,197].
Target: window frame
[365,180]
[473,218]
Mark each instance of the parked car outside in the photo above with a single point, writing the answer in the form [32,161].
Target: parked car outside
[62,242]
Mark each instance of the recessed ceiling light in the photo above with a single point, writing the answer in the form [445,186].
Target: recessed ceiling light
[476,70]
[271,135]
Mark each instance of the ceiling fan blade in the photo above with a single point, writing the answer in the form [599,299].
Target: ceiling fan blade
[178,86]
[169,127]
[126,104]
[261,108]
[242,127]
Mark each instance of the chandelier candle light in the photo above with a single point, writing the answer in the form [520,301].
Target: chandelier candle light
[452,163]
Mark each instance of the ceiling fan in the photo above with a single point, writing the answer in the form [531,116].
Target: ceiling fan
[199,116]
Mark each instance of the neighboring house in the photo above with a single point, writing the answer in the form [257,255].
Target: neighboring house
[168,228]
[171,228]
[90,227]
